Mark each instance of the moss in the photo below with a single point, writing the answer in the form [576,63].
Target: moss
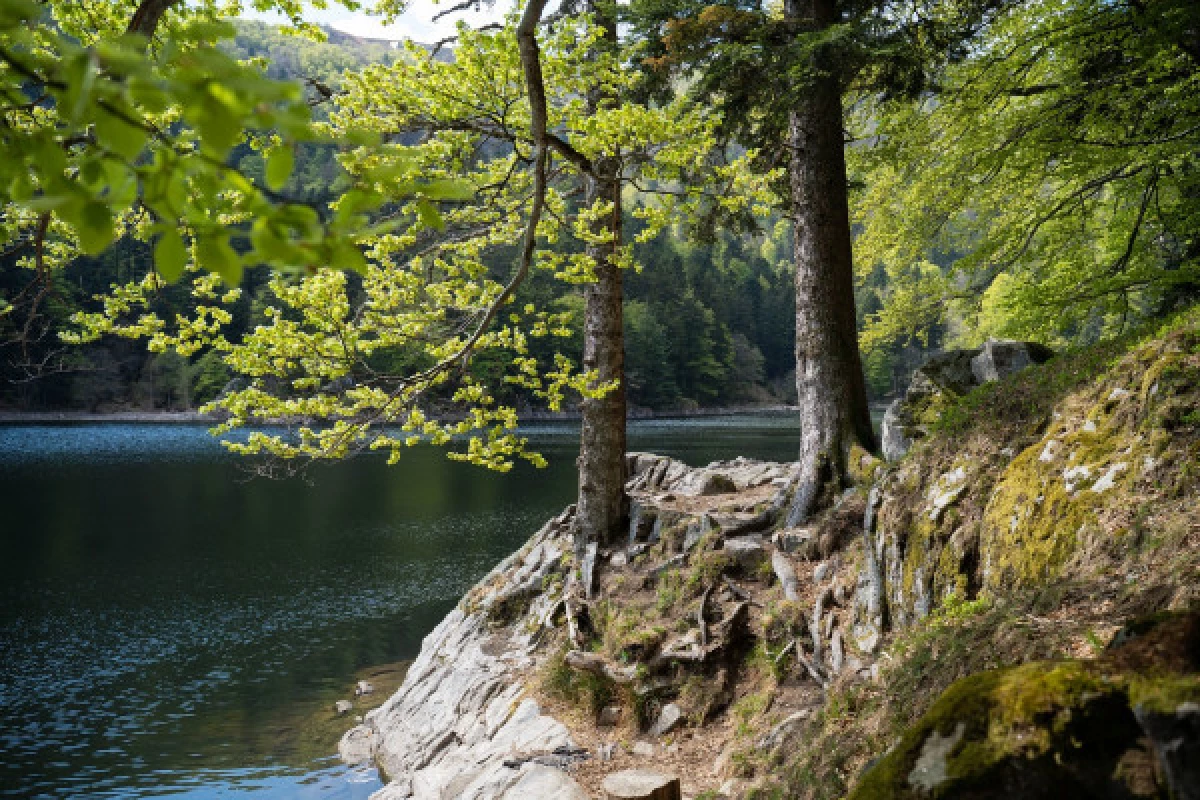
[782,622]
[1164,693]
[638,644]
[862,466]
[1031,522]
[668,592]
[749,710]
[1009,728]
[921,544]
[706,568]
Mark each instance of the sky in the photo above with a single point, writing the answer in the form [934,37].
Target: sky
[416,23]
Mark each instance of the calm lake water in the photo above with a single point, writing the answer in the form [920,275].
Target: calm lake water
[171,626]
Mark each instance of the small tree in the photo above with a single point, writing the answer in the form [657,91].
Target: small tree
[506,138]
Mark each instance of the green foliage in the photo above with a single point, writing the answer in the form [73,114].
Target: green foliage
[1048,189]
[747,294]
[109,134]
[429,297]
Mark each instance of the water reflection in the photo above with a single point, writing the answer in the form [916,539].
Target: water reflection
[168,626]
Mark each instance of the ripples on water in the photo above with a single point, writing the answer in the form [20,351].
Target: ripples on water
[168,625]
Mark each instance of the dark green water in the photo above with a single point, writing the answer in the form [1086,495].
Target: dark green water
[170,626]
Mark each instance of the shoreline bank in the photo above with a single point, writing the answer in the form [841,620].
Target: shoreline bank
[196,418]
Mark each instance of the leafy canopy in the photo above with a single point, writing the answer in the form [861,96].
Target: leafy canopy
[364,353]
[1050,188]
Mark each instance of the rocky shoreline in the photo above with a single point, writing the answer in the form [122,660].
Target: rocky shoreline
[707,655]
[468,721]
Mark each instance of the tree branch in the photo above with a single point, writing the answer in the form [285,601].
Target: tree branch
[147,16]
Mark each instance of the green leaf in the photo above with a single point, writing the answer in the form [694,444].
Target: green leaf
[272,248]
[279,167]
[170,255]
[448,189]
[118,136]
[122,185]
[21,188]
[214,253]
[347,256]
[94,227]
[429,215]
[78,78]
[14,12]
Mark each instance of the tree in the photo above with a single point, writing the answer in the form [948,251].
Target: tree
[505,131]
[603,506]
[782,80]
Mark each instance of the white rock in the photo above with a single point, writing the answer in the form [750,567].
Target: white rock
[343,706]
[357,745]
[544,783]
[668,720]
[1073,476]
[1109,479]
[790,541]
[946,491]
[643,749]
[641,784]
[463,708]
[749,553]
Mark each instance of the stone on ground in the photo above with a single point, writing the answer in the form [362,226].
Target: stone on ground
[641,784]
[747,552]
[668,720]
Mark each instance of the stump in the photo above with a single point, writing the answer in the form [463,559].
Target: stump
[641,784]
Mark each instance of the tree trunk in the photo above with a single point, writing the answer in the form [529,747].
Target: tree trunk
[831,391]
[603,505]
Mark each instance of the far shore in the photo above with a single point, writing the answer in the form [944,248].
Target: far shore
[196,418]
[176,417]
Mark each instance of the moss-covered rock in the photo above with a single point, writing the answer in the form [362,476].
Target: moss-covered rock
[1027,481]
[1121,726]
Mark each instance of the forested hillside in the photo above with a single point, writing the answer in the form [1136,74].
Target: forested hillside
[709,320]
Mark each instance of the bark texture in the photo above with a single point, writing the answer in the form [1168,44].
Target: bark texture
[147,16]
[831,391]
[603,505]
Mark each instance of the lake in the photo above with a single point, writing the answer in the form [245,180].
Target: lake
[170,625]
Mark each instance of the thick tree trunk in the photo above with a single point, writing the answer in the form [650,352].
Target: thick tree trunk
[831,391]
[603,505]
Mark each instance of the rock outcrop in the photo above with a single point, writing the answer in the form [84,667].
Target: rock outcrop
[1033,490]
[1125,725]
[466,724]
[462,724]
[949,375]
[641,784]
[768,656]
